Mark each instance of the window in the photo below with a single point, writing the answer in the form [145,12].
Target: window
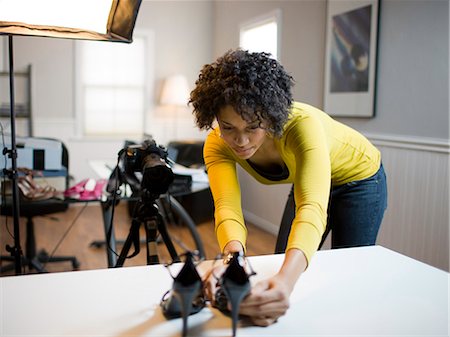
[113,86]
[262,34]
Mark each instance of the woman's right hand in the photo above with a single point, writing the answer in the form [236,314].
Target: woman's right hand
[212,276]
[210,279]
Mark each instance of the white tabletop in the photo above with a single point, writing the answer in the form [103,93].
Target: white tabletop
[367,291]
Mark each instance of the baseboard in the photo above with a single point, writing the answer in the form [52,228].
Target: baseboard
[261,223]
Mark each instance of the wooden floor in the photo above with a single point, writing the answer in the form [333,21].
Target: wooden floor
[72,232]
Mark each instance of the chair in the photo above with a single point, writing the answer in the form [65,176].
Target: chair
[186,153]
[31,209]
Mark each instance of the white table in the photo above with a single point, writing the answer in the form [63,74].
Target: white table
[369,291]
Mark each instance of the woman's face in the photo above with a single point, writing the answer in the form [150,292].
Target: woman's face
[244,138]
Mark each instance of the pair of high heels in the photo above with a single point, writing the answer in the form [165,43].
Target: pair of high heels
[187,296]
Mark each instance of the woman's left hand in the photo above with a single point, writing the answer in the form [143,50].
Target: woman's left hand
[267,301]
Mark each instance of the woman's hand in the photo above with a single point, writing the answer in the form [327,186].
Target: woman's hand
[210,278]
[267,301]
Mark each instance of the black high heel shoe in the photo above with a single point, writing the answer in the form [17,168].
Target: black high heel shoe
[233,287]
[186,296]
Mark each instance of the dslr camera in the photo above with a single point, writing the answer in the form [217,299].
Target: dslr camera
[151,160]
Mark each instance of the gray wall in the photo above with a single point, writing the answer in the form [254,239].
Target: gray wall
[413,71]
[52,75]
[412,62]
[302,38]
[183,35]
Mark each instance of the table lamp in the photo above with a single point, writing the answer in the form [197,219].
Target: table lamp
[101,20]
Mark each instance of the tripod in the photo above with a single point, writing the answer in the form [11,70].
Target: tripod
[146,213]
[156,181]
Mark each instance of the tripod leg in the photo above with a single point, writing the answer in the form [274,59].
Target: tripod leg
[166,238]
[151,232]
[134,233]
[111,245]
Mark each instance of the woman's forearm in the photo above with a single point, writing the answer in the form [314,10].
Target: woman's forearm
[293,266]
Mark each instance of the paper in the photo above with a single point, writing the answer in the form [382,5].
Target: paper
[197,174]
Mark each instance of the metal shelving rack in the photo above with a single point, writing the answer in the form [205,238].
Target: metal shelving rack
[23,97]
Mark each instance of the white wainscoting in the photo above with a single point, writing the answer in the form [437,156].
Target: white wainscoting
[416,222]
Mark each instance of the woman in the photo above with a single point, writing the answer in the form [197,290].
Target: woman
[336,173]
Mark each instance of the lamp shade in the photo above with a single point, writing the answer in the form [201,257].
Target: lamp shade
[104,20]
[175,91]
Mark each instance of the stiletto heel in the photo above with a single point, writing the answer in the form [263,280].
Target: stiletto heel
[233,287]
[186,296]
[235,294]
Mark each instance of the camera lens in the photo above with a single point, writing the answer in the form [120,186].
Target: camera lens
[157,179]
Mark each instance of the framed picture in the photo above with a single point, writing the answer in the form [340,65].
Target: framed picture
[351,58]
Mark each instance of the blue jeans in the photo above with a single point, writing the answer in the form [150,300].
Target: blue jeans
[355,212]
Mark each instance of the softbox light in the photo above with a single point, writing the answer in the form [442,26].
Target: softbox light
[102,20]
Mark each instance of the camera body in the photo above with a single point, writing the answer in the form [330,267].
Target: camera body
[139,156]
[150,159]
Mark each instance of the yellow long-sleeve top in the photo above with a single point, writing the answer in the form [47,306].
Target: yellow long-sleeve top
[318,152]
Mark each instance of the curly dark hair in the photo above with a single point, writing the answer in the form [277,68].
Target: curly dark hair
[252,83]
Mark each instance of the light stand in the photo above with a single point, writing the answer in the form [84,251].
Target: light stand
[110,20]
[15,251]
